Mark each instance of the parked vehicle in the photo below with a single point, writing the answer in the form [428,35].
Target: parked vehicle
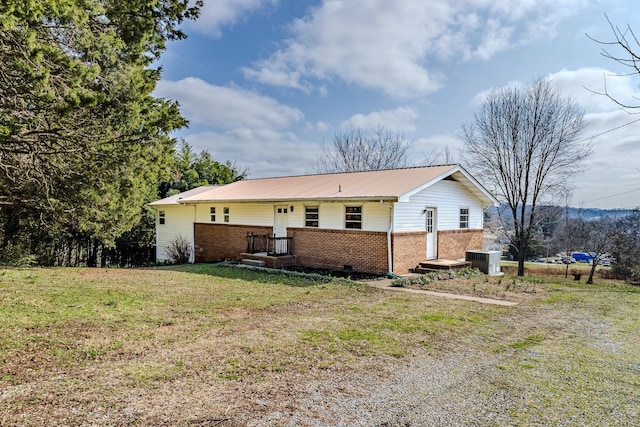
[581,256]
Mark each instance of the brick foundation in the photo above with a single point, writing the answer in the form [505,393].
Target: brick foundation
[364,251]
[220,242]
[452,244]
[409,249]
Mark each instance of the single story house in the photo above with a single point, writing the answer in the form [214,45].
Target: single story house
[373,221]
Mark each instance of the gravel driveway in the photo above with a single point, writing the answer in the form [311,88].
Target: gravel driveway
[465,384]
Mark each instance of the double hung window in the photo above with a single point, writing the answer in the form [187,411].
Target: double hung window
[464,218]
[353,217]
[311,216]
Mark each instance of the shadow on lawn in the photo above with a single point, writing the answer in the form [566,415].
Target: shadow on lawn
[298,277]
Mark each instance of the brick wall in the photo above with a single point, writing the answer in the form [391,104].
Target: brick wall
[219,242]
[409,249]
[452,244]
[364,251]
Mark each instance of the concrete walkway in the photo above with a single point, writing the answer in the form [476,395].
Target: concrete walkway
[386,285]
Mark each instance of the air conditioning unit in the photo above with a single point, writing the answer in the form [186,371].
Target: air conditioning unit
[486,261]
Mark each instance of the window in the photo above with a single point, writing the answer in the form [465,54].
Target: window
[225,212]
[212,213]
[429,220]
[464,218]
[311,216]
[353,217]
[161,217]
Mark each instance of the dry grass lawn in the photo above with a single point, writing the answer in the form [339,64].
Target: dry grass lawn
[205,345]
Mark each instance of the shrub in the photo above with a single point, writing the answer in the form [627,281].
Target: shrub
[434,276]
[179,251]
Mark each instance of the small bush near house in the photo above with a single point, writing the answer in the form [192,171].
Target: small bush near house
[435,276]
[179,251]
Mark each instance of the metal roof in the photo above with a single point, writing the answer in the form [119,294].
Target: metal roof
[176,198]
[389,184]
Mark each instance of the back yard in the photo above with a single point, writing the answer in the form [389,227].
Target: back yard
[203,345]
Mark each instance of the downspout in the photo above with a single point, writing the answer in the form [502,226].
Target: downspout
[389,254]
[193,235]
[193,232]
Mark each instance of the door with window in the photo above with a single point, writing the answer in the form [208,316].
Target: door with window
[281,220]
[432,239]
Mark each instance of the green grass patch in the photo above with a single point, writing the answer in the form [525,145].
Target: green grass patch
[530,341]
[76,341]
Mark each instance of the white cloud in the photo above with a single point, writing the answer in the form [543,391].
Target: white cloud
[226,107]
[438,148]
[265,152]
[400,119]
[582,83]
[396,47]
[613,133]
[241,126]
[582,86]
[217,13]
[318,126]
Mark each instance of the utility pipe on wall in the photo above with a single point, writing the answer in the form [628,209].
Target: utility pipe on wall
[389,255]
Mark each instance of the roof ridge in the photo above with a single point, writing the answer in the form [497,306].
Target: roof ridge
[351,172]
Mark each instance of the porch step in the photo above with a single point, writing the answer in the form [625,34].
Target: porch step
[253,262]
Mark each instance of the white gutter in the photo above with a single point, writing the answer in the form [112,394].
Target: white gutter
[389,255]
[192,257]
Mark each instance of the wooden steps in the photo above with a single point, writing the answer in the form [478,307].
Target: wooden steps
[440,264]
[253,262]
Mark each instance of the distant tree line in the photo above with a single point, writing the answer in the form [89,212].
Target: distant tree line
[27,241]
[565,230]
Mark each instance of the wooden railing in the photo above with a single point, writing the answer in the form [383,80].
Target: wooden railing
[256,243]
[272,245]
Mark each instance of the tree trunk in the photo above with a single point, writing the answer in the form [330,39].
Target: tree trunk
[521,256]
[594,264]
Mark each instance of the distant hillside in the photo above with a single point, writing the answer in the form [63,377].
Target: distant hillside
[586,213]
[594,213]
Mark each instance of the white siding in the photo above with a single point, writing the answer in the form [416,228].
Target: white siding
[296,218]
[179,219]
[375,216]
[239,213]
[448,197]
[178,222]
[332,216]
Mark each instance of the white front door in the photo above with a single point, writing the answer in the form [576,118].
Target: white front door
[432,241]
[280,223]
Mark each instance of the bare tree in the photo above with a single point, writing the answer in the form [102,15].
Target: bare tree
[627,54]
[596,237]
[626,247]
[523,145]
[443,156]
[356,150]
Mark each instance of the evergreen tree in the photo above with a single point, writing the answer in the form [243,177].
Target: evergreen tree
[82,139]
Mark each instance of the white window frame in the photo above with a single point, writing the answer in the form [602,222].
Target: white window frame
[162,217]
[352,221]
[464,218]
[226,214]
[212,214]
[308,222]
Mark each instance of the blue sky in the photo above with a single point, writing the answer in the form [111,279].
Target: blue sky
[265,82]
